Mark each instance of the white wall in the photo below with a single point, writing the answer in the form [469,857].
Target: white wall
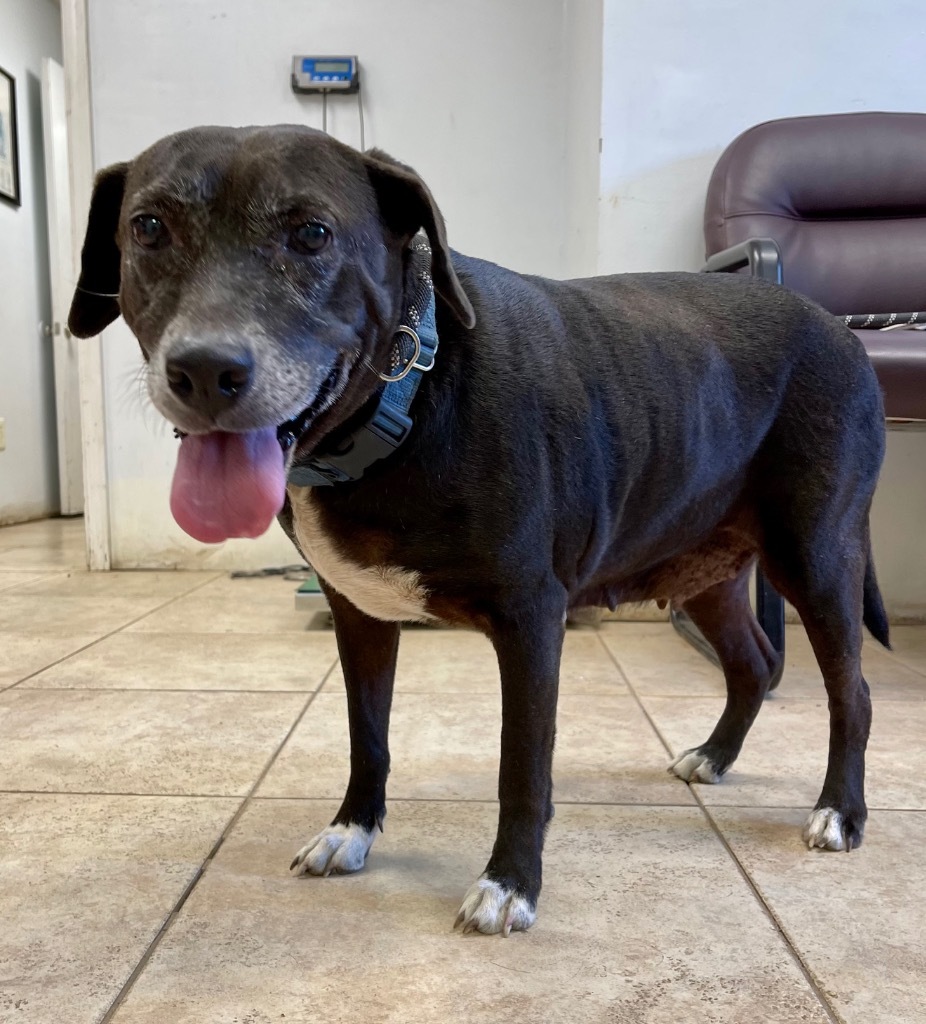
[474,95]
[680,81]
[582,55]
[29,31]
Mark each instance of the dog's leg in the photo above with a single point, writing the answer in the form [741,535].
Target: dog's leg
[368,648]
[529,644]
[725,617]
[825,584]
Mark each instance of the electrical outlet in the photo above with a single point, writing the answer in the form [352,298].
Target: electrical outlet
[2,434]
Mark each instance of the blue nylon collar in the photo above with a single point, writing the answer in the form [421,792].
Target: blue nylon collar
[390,423]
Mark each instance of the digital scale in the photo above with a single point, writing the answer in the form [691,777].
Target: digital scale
[326,74]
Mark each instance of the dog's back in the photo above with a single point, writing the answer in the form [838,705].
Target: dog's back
[675,396]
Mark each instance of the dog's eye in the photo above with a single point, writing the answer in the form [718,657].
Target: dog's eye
[150,232]
[309,238]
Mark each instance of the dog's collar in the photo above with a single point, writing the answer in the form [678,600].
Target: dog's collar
[414,352]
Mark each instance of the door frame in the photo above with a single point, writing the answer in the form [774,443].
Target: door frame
[63,277]
[76,51]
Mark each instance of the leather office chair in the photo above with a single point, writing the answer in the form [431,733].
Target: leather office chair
[835,207]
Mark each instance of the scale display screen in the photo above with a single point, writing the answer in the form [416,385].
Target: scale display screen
[323,67]
[325,74]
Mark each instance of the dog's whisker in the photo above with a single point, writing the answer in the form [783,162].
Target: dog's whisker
[134,398]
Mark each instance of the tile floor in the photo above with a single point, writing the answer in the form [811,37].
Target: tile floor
[168,740]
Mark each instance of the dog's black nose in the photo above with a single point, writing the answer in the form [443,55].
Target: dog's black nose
[207,378]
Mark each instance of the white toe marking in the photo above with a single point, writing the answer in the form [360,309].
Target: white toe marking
[825,828]
[693,766]
[491,908]
[340,849]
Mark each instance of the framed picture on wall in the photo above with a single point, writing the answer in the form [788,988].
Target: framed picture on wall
[9,152]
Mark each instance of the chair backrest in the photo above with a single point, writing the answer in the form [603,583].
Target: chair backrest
[844,195]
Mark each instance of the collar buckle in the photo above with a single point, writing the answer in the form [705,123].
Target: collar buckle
[411,364]
[387,429]
[423,349]
[432,354]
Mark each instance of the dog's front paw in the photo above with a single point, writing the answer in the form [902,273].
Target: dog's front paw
[340,849]
[695,766]
[830,829]
[490,907]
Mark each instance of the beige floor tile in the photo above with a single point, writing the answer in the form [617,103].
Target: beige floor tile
[265,605]
[85,884]
[139,742]
[47,543]
[24,653]
[909,639]
[643,919]
[440,661]
[196,661]
[784,758]
[44,531]
[459,661]
[587,667]
[446,746]
[12,578]
[41,614]
[137,585]
[909,643]
[273,588]
[858,922]
[42,557]
[656,660]
[887,676]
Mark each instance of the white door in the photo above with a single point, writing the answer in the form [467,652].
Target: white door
[63,280]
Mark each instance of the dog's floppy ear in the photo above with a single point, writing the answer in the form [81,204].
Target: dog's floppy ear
[94,305]
[406,205]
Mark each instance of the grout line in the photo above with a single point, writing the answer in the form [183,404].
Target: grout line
[635,695]
[201,870]
[105,636]
[564,803]
[37,577]
[779,699]
[304,689]
[156,689]
[333,799]
[805,970]
[776,924]
[487,801]
[425,799]
[121,793]
[898,658]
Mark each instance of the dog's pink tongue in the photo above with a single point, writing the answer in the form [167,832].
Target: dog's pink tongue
[228,485]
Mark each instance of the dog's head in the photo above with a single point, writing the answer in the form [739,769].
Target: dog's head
[261,270]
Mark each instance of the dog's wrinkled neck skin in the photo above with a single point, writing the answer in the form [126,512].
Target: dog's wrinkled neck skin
[248,329]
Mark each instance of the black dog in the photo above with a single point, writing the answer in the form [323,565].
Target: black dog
[576,443]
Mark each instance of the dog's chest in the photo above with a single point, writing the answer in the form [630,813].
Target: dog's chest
[383,591]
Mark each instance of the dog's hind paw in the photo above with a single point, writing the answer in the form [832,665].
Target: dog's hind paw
[695,766]
[829,829]
[490,907]
[339,849]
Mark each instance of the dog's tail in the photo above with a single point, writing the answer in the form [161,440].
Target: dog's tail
[873,613]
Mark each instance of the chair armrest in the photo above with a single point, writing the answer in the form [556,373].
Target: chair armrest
[761,255]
